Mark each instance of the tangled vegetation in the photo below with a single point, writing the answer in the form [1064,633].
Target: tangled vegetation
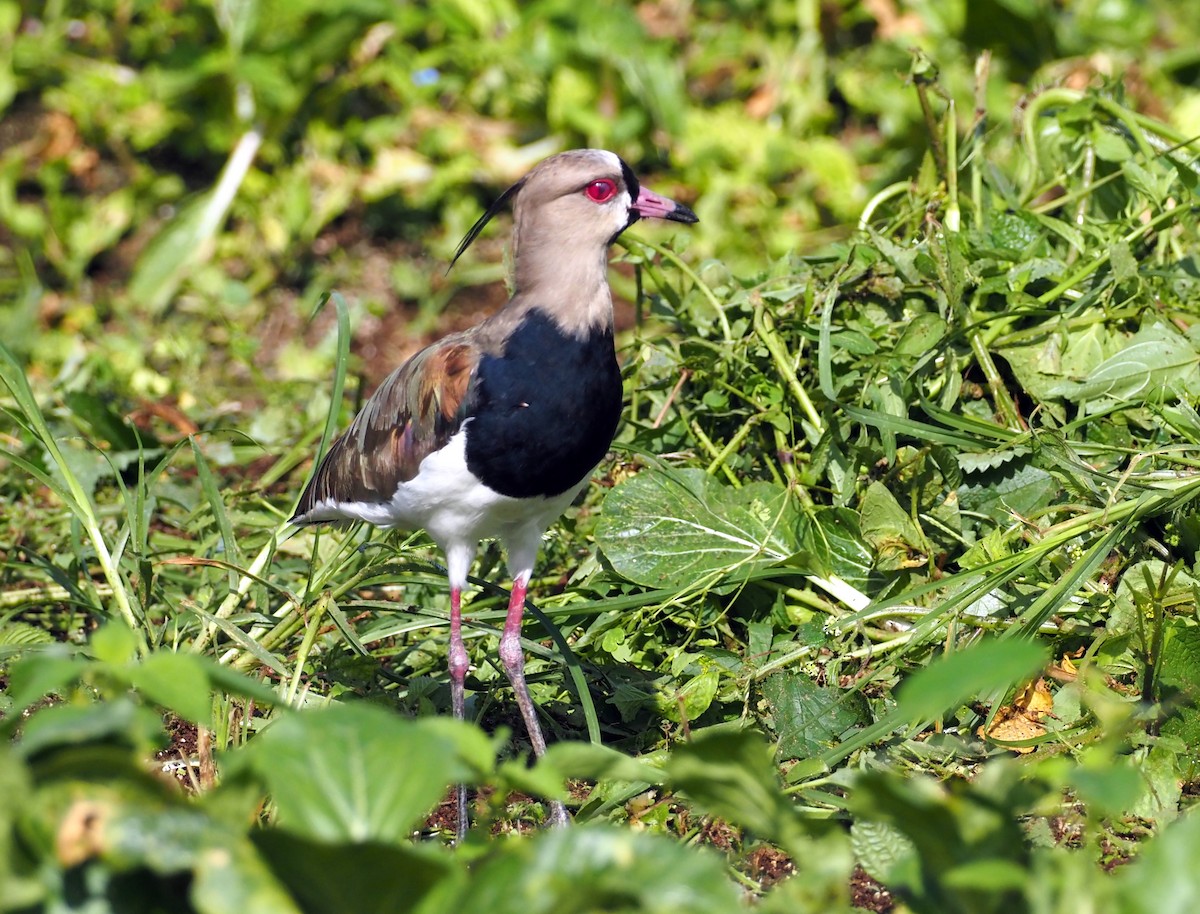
[886,597]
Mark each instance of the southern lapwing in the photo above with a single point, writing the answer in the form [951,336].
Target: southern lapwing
[493,431]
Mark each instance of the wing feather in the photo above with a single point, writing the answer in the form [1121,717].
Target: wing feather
[415,411]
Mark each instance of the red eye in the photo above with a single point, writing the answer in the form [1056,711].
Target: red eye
[601,191]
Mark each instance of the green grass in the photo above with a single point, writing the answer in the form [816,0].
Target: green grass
[911,427]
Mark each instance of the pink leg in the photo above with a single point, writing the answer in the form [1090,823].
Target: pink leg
[458,674]
[513,659]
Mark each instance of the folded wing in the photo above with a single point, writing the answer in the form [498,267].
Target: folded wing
[415,412]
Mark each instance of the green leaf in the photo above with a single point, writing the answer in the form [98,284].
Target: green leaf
[17,637]
[166,260]
[18,891]
[954,679]
[1178,680]
[834,545]
[1124,263]
[888,527]
[692,700]
[365,878]
[987,875]
[1156,359]
[114,644]
[594,869]
[730,773]
[675,528]
[1162,880]
[880,848]
[809,717]
[595,762]
[1109,146]
[970,829]
[119,721]
[178,682]
[134,833]
[235,683]
[1110,789]
[42,673]
[1162,784]
[1018,488]
[356,772]
[921,335]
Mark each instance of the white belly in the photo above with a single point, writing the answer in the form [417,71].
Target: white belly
[449,502]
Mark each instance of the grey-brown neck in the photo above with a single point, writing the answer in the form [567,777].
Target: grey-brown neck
[566,212]
[562,270]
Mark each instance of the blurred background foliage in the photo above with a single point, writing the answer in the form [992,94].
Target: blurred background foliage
[179,181]
[974,415]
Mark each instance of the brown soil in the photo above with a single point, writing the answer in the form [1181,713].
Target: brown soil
[869,895]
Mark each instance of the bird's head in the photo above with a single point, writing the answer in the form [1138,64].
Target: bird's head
[576,202]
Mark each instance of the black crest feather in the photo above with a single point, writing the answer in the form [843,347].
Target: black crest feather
[483,220]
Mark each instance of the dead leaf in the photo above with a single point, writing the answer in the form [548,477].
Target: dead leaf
[1035,700]
[1021,720]
[1064,670]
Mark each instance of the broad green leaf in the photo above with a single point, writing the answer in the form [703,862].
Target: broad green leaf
[986,874]
[880,848]
[114,644]
[1162,880]
[137,833]
[1109,146]
[178,682]
[596,762]
[1108,789]
[18,891]
[355,772]
[1124,263]
[41,673]
[595,869]
[674,528]
[368,878]
[1017,488]
[236,879]
[1014,234]
[971,830]
[235,683]
[1156,359]
[119,722]
[1051,358]
[921,335]
[889,528]
[688,703]
[1179,681]
[515,774]
[809,718]
[834,545]
[730,773]
[956,678]
[1143,586]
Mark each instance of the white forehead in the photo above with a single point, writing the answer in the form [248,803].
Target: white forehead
[610,159]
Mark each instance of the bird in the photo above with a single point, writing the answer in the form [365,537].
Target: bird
[493,431]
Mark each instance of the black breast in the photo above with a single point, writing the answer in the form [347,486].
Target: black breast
[545,411]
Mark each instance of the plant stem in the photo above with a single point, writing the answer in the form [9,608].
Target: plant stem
[764,328]
[686,270]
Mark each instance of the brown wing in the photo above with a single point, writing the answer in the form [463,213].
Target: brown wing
[413,413]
